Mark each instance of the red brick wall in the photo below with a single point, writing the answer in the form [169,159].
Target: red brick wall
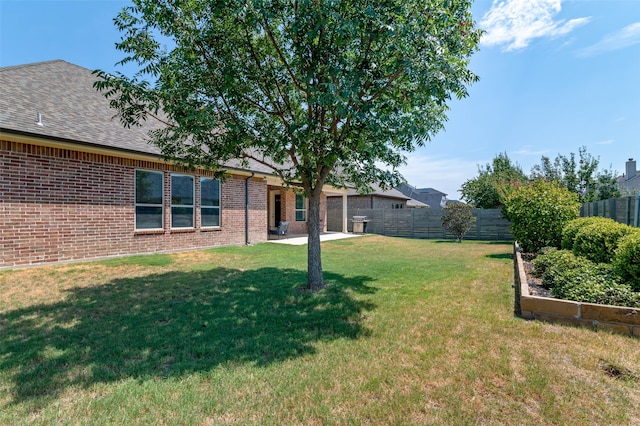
[288,211]
[58,204]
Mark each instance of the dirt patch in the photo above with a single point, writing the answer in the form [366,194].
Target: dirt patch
[618,372]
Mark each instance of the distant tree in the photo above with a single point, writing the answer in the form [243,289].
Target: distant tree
[547,170]
[458,219]
[607,185]
[578,176]
[493,183]
[303,87]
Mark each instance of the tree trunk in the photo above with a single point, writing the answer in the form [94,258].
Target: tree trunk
[315,280]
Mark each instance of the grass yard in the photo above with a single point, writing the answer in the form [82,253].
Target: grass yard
[407,332]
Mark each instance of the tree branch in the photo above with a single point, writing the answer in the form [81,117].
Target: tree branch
[295,81]
[392,77]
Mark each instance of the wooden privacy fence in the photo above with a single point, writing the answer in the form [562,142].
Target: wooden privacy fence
[624,210]
[422,223]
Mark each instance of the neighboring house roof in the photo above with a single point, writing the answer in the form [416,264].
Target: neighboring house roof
[72,110]
[416,193]
[378,192]
[429,191]
[429,196]
[417,204]
[389,193]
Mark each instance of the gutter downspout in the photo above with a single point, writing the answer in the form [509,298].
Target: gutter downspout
[246,209]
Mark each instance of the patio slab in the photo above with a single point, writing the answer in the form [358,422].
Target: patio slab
[299,240]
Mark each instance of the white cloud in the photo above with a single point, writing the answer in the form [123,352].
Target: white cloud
[605,142]
[527,151]
[513,24]
[444,174]
[628,36]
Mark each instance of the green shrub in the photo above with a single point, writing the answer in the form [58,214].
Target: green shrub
[553,264]
[593,283]
[626,259]
[458,219]
[599,240]
[538,212]
[572,227]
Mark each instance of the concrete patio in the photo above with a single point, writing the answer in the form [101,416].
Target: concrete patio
[298,240]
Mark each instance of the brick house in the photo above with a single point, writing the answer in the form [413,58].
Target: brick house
[75,184]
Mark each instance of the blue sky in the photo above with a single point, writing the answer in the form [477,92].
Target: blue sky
[554,76]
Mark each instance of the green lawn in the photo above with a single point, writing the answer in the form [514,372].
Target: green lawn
[407,332]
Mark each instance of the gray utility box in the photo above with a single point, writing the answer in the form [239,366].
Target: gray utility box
[360,224]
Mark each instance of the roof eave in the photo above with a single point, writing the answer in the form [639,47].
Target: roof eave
[64,143]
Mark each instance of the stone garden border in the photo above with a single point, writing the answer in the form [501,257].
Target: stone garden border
[600,317]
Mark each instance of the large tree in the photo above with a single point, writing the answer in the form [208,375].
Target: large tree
[493,183]
[323,92]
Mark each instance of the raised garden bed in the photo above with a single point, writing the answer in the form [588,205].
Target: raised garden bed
[535,304]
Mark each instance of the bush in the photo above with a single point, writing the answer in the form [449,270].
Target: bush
[553,264]
[538,212]
[599,240]
[593,283]
[457,219]
[572,227]
[626,259]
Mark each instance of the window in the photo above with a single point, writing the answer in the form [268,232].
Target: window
[209,202]
[301,208]
[149,199]
[182,195]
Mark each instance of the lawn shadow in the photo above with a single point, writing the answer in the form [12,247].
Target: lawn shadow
[172,324]
[508,256]
[499,243]
[488,242]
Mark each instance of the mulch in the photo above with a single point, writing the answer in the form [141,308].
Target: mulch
[534,283]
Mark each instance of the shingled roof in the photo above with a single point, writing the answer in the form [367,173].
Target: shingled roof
[377,191]
[71,110]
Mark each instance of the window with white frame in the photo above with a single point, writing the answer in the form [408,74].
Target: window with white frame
[148,195]
[301,208]
[182,201]
[209,202]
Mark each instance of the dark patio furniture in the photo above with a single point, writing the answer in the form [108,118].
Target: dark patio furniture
[281,229]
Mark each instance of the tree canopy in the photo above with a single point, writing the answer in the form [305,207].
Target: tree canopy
[580,176]
[489,188]
[304,87]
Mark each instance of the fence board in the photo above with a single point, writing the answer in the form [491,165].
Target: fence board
[422,223]
[624,209]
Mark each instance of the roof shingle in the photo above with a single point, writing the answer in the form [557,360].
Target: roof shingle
[72,110]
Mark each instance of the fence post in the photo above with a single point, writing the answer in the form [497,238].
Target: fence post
[612,209]
[413,219]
